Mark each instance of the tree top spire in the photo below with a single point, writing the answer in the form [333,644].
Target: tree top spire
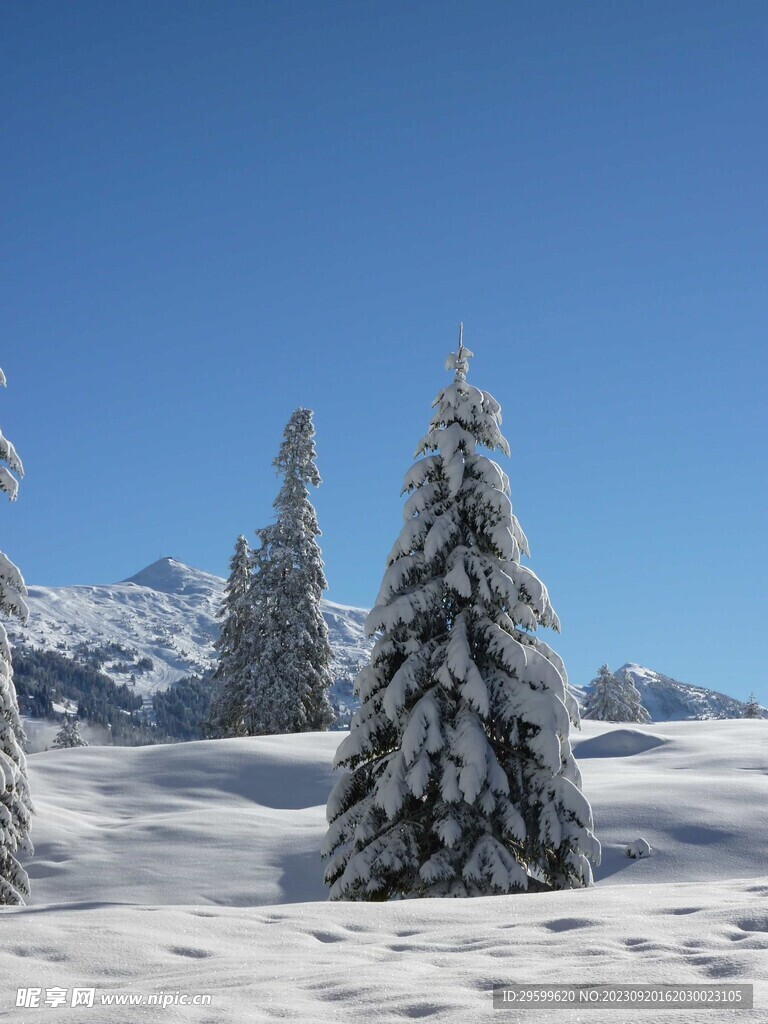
[459,360]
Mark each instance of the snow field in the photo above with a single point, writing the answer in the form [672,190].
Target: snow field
[195,868]
[393,962]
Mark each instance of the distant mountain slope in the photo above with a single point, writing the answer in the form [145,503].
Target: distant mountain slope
[669,700]
[159,626]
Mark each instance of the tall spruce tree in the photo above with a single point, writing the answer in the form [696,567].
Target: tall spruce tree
[15,801]
[289,649]
[459,778]
[614,698]
[226,716]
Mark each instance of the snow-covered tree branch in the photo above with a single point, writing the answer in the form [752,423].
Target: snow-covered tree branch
[15,801]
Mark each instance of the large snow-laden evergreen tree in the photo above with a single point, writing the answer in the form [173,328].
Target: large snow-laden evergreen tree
[615,698]
[233,647]
[290,653]
[459,778]
[15,801]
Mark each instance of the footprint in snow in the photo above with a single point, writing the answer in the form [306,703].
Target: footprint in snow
[188,951]
[568,924]
[753,924]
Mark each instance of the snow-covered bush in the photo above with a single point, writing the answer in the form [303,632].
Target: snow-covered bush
[638,849]
[614,698]
[458,774]
[15,800]
[69,735]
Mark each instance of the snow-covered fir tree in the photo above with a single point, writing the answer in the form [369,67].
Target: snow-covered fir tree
[69,735]
[232,645]
[15,800]
[457,775]
[615,698]
[752,709]
[633,699]
[289,653]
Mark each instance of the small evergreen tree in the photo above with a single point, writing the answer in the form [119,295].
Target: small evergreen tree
[15,800]
[69,735]
[232,668]
[290,653]
[615,699]
[638,711]
[752,709]
[459,777]
[602,698]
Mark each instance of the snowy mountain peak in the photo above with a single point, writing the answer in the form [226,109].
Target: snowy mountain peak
[165,616]
[167,576]
[668,699]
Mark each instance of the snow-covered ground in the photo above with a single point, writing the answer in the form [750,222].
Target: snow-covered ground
[195,868]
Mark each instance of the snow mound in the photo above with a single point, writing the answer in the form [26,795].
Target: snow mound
[618,743]
[637,849]
[234,822]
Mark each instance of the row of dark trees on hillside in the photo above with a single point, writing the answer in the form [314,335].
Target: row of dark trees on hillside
[45,678]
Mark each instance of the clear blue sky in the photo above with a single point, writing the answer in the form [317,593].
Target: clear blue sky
[215,212]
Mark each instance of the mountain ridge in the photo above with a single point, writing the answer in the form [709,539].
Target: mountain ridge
[667,699]
[167,615]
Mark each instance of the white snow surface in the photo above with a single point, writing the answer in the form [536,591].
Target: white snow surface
[195,868]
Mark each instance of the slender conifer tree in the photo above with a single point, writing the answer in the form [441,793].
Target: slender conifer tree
[232,666]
